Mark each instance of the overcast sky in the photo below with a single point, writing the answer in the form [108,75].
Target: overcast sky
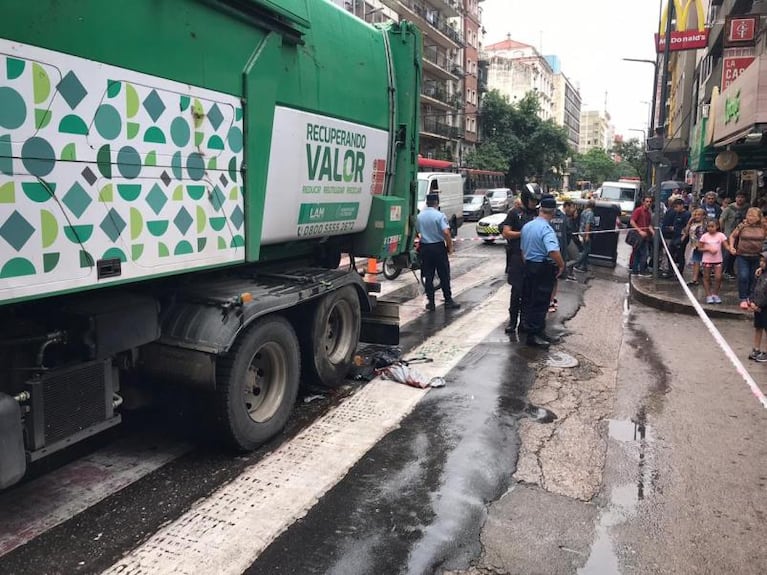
[590,37]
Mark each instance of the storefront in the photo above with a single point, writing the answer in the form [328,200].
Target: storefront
[732,140]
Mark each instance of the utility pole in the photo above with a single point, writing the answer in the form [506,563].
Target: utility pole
[661,130]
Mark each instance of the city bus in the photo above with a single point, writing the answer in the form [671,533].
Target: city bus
[474,180]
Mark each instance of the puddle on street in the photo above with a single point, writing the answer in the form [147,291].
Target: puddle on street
[635,438]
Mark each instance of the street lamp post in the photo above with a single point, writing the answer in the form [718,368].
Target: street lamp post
[650,133]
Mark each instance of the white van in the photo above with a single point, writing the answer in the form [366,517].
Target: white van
[450,188]
[624,193]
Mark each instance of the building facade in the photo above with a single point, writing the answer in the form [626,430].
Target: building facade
[728,99]
[596,131]
[567,109]
[472,26]
[514,69]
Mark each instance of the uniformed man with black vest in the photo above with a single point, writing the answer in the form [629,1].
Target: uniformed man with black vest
[511,229]
[543,265]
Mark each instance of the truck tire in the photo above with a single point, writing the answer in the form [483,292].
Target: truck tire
[390,269]
[329,346]
[257,383]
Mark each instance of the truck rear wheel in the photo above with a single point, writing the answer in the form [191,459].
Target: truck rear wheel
[257,383]
[333,337]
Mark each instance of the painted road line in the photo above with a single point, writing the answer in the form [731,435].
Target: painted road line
[723,345]
[33,508]
[492,270]
[226,531]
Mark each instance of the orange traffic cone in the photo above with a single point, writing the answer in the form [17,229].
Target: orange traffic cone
[372,271]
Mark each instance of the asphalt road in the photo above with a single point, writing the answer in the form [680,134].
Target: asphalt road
[648,456]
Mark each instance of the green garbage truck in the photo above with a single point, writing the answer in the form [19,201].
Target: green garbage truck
[178,182]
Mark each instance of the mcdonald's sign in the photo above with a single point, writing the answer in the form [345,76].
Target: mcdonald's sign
[691,32]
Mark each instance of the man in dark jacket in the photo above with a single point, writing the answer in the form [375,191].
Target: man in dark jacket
[674,222]
[511,229]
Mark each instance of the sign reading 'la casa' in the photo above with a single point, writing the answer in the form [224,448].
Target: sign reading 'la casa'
[732,67]
[691,32]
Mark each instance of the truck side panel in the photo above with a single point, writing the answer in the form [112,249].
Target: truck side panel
[117,175]
[108,174]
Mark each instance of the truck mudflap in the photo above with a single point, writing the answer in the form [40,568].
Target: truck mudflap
[209,316]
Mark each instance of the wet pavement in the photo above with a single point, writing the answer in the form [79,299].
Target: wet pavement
[416,502]
[630,447]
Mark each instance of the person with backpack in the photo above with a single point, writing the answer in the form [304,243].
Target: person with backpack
[759,307]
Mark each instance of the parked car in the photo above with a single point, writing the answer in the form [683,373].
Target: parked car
[500,199]
[476,207]
[489,228]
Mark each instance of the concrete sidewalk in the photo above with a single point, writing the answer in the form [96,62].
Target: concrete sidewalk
[668,295]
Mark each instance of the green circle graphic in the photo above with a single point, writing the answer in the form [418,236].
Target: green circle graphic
[13,110]
[108,122]
[234,138]
[180,132]
[38,157]
[129,162]
[195,165]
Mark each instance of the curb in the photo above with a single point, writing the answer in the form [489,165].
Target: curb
[644,295]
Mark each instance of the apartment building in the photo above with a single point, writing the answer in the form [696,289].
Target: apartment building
[472,26]
[515,68]
[450,91]
[596,131]
[567,103]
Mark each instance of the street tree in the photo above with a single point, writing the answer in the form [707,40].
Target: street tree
[596,166]
[633,159]
[487,156]
[532,148]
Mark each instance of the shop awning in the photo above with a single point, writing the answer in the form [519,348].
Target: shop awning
[738,111]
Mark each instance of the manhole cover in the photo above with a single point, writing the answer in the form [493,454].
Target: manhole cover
[560,359]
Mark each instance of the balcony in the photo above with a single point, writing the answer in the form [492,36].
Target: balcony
[437,95]
[431,22]
[438,64]
[437,129]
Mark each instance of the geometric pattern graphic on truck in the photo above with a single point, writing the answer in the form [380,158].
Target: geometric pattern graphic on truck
[103,163]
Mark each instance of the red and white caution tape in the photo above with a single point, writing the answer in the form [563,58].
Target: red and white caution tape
[740,368]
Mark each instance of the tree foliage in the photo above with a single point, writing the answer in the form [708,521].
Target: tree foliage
[487,156]
[529,147]
[596,166]
[633,159]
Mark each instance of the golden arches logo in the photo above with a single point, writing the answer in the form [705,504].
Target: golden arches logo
[683,11]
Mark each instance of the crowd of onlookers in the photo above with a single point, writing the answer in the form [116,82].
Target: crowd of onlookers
[717,238]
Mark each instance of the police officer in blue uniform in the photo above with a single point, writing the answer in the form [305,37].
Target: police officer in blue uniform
[436,244]
[511,229]
[543,265]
